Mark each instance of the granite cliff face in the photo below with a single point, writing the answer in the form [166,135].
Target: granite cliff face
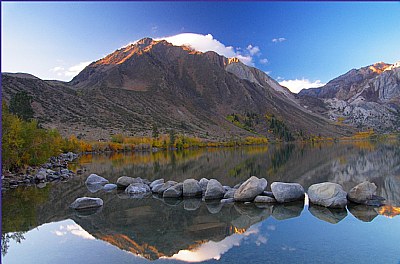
[368,97]
[155,83]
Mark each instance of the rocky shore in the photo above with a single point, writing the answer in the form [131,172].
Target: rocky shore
[253,190]
[56,169]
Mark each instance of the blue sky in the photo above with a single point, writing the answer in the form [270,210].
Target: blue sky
[314,41]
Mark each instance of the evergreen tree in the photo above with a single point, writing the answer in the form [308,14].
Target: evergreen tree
[20,105]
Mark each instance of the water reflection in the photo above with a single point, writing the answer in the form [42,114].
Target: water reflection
[185,229]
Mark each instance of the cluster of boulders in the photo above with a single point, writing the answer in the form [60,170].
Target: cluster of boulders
[332,195]
[55,169]
[254,190]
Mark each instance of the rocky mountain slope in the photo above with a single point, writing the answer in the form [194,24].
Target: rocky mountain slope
[368,97]
[153,83]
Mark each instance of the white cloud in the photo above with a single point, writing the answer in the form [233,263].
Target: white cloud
[204,43]
[57,69]
[74,70]
[263,61]
[73,229]
[276,40]
[296,85]
[214,250]
[253,50]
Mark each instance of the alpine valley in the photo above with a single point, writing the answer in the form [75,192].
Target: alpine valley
[156,84]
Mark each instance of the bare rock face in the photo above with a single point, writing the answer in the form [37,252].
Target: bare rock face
[86,203]
[287,192]
[365,97]
[250,189]
[191,188]
[327,194]
[364,193]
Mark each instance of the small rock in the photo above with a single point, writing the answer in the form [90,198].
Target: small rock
[109,187]
[41,175]
[203,184]
[64,171]
[125,181]
[229,194]
[287,192]
[86,202]
[269,194]
[214,190]
[137,188]
[165,186]
[95,179]
[79,172]
[174,191]
[191,188]
[228,200]
[227,188]
[157,187]
[250,189]
[264,199]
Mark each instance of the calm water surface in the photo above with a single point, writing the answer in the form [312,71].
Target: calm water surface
[39,227]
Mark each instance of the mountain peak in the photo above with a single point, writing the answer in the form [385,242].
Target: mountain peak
[379,67]
[144,41]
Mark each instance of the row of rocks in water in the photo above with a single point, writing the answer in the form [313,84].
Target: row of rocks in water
[326,194]
[54,170]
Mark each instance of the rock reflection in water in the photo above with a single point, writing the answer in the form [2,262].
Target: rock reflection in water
[150,228]
[362,212]
[330,215]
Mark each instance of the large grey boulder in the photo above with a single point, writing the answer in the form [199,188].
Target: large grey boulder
[191,188]
[156,182]
[95,179]
[327,194]
[174,191]
[125,181]
[86,203]
[137,189]
[214,190]
[250,189]
[364,193]
[287,192]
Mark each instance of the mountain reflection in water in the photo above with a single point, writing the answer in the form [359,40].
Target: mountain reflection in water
[190,229]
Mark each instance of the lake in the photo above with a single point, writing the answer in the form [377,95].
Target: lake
[39,227]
